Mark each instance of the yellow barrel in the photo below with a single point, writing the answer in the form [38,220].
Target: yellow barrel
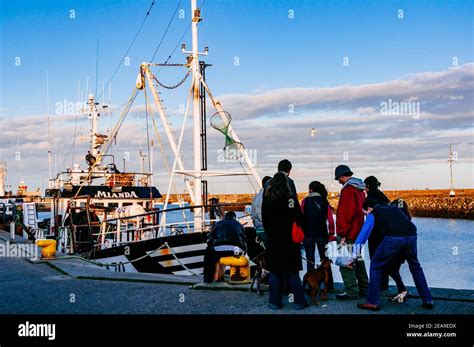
[48,250]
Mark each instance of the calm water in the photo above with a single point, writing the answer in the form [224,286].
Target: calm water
[445,252]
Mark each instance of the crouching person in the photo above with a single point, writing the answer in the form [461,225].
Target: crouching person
[399,240]
[226,238]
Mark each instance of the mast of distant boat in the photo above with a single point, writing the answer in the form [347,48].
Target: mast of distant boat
[451,160]
[49,131]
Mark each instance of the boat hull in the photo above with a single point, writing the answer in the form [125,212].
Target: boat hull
[184,256]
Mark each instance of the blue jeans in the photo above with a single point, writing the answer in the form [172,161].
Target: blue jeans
[276,286]
[390,248]
[394,272]
[310,245]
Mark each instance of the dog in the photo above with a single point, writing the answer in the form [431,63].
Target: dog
[316,277]
[260,273]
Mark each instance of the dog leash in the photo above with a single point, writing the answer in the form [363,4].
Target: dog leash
[309,261]
[258,256]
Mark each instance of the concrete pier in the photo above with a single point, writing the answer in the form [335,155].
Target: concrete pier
[73,286]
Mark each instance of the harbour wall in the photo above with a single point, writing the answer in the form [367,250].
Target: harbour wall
[423,203]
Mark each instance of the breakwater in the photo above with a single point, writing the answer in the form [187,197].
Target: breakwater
[423,203]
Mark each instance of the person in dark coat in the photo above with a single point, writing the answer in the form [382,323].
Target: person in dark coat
[280,209]
[372,185]
[226,238]
[317,215]
[285,166]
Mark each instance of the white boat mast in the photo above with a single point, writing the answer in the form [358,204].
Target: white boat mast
[196,117]
[145,76]
[3,173]
[93,116]
[451,160]
[50,181]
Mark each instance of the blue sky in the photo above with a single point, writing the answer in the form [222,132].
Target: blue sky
[275,52]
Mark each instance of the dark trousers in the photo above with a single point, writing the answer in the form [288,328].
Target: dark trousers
[276,287]
[393,271]
[310,245]
[210,258]
[391,248]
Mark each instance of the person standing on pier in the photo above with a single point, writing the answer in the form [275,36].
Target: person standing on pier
[349,221]
[256,212]
[280,209]
[372,185]
[285,166]
[400,240]
[317,215]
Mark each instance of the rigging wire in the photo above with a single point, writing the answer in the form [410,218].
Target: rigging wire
[180,40]
[165,161]
[162,149]
[130,46]
[246,175]
[166,31]
[175,47]
[148,147]
[72,149]
[113,135]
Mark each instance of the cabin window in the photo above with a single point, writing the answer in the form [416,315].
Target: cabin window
[113,204]
[127,204]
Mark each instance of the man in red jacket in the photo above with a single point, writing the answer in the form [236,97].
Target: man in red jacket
[349,221]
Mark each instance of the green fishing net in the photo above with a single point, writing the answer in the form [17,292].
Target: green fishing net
[233,150]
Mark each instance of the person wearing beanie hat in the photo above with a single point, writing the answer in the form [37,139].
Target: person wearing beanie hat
[342,170]
[349,221]
[372,185]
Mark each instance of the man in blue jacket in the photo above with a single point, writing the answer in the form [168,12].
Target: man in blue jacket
[399,238]
[226,238]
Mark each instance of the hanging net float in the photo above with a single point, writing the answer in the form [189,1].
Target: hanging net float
[233,150]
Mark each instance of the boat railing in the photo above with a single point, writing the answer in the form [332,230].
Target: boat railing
[138,227]
[112,178]
[190,207]
[135,228]
[145,232]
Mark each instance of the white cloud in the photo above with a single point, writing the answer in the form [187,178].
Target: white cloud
[346,118]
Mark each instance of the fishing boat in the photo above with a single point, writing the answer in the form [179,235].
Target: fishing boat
[113,217]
